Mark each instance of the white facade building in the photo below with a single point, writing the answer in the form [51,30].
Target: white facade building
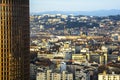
[112,76]
[49,75]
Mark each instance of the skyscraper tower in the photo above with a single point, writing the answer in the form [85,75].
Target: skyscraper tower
[14,39]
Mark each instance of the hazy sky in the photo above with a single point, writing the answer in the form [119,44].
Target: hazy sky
[73,5]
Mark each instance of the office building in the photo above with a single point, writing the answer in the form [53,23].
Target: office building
[14,39]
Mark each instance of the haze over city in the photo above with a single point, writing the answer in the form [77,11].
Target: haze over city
[73,5]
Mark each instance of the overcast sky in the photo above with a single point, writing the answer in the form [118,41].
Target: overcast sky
[73,5]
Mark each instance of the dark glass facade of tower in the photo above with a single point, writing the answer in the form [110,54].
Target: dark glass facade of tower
[14,39]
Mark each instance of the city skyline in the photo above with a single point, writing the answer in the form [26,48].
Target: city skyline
[73,5]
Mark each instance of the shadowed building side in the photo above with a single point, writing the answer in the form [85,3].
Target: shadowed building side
[14,39]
